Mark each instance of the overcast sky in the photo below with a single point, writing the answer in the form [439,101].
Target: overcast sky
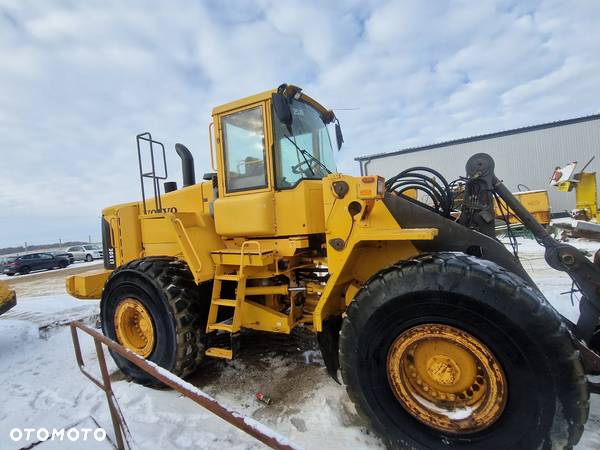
[79,79]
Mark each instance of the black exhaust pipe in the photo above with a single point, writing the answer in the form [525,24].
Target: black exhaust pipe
[187,165]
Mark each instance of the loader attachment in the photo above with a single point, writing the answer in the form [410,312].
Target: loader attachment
[473,233]
[560,256]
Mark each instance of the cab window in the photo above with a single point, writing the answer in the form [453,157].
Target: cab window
[302,151]
[244,150]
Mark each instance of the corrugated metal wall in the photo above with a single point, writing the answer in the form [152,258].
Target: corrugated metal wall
[528,158]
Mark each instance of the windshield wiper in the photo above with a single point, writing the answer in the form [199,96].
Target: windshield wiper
[309,155]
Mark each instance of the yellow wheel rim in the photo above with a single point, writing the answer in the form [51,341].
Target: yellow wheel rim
[446,378]
[134,327]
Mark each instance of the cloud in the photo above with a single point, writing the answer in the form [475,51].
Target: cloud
[80,79]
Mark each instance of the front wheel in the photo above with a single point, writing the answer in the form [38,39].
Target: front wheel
[89,258]
[448,351]
[153,307]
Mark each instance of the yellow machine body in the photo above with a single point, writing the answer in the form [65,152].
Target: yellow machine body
[276,239]
[263,233]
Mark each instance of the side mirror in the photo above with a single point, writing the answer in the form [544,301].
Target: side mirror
[282,109]
[339,137]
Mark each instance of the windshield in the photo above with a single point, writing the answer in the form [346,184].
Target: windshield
[306,151]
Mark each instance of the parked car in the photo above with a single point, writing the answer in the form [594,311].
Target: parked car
[86,252]
[35,261]
[4,261]
[67,255]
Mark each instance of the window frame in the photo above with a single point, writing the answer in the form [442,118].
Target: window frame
[266,115]
[275,162]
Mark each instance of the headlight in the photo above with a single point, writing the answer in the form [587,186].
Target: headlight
[371,187]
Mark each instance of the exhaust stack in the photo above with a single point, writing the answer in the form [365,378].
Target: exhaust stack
[187,165]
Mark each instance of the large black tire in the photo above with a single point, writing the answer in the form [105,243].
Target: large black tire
[548,400]
[24,270]
[179,310]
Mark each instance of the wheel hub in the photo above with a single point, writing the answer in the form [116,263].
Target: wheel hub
[134,327]
[443,370]
[446,378]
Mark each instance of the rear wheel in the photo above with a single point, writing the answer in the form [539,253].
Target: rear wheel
[153,307]
[24,270]
[448,351]
[63,264]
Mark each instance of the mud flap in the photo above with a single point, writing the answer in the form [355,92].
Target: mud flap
[329,340]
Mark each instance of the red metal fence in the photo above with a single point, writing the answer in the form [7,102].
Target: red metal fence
[246,424]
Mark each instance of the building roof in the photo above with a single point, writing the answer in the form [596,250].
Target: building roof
[482,137]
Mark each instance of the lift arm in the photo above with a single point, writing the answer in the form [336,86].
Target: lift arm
[558,255]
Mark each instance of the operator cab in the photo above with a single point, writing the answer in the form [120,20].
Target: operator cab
[273,149]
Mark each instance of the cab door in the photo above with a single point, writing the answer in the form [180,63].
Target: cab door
[245,206]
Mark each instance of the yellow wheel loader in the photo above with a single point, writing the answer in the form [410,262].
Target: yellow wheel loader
[441,337]
[8,298]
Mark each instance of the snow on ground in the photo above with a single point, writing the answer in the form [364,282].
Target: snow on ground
[43,387]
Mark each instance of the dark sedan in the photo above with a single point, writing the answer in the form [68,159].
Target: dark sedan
[35,261]
[67,255]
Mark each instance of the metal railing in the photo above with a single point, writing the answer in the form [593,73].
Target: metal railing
[246,424]
[147,137]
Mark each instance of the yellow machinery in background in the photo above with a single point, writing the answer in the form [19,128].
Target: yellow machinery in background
[536,202]
[586,190]
[441,336]
[8,298]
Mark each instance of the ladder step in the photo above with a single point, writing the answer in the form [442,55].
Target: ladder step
[228,277]
[224,302]
[217,352]
[221,326]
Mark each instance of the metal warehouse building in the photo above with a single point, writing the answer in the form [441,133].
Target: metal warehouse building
[526,156]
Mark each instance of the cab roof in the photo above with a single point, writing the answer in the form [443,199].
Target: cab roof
[266,95]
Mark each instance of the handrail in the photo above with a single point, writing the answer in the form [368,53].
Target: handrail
[246,424]
[211,127]
[242,253]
